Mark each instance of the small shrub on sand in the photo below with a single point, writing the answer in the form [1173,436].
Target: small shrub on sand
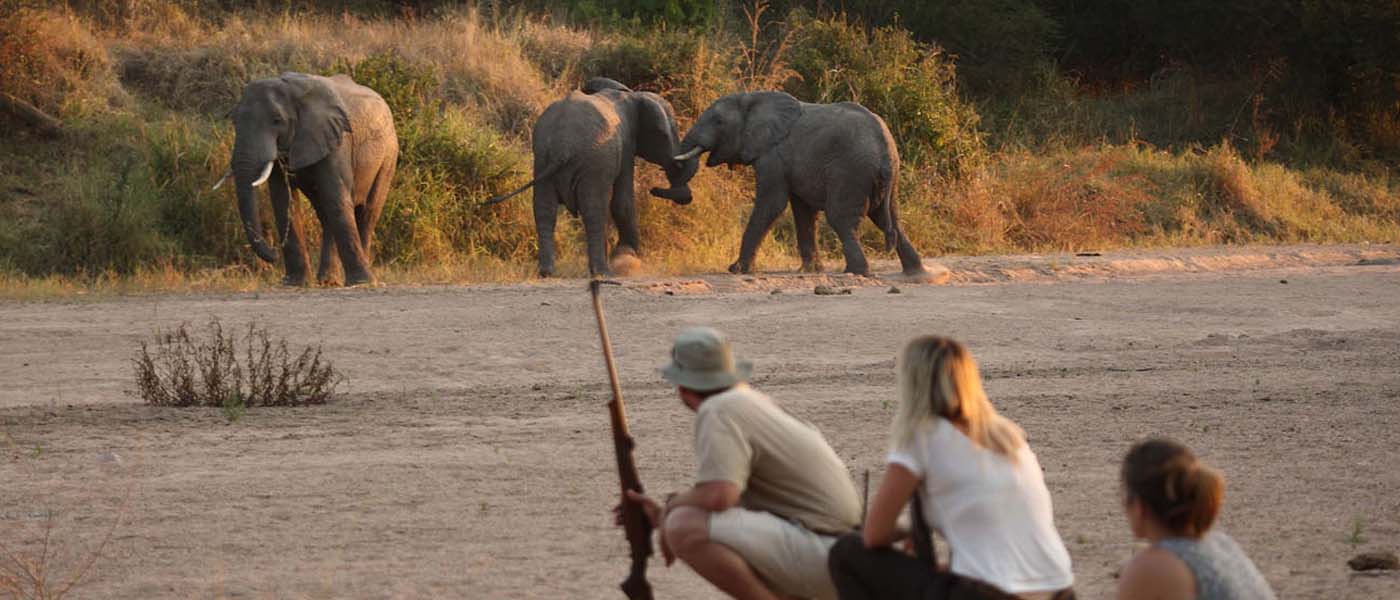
[223,370]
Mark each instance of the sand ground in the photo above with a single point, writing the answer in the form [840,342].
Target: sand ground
[469,454]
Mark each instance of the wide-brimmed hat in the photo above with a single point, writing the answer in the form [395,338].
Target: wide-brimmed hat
[702,360]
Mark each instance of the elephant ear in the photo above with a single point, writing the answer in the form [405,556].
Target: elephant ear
[657,137]
[768,117]
[322,120]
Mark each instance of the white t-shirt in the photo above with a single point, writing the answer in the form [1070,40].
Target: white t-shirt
[995,513]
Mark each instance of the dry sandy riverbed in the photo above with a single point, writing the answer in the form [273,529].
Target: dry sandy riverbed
[469,456]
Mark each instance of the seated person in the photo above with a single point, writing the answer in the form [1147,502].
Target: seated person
[771,496]
[1171,500]
[981,486]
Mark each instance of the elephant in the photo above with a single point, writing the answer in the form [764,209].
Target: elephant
[839,158]
[585,146]
[333,140]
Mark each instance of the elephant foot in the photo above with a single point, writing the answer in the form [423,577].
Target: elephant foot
[863,271]
[624,262]
[936,275]
[294,281]
[811,267]
[741,269]
[358,279]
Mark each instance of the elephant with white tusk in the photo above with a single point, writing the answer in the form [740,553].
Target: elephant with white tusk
[839,158]
[333,140]
[585,147]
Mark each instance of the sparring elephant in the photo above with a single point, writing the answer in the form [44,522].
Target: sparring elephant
[585,147]
[333,140]
[838,158]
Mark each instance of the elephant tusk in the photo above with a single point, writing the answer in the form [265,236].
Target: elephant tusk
[694,152]
[222,180]
[266,172]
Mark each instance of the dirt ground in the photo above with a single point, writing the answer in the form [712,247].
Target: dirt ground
[469,455]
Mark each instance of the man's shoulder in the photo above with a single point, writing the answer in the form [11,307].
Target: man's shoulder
[740,398]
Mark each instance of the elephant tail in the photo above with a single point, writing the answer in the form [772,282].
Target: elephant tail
[886,193]
[551,170]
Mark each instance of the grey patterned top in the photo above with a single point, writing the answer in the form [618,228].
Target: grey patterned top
[1221,568]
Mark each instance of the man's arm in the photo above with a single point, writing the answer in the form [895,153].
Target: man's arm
[712,496]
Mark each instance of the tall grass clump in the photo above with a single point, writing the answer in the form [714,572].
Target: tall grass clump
[912,85]
[226,370]
[51,60]
[685,66]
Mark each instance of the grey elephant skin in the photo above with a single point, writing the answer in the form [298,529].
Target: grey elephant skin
[329,138]
[585,148]
[838,158]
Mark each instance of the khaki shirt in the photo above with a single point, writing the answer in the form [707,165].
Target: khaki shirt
[782,465]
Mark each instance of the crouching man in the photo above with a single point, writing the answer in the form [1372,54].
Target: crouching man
[771,495]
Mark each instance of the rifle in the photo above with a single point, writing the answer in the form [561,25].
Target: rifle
[634,519]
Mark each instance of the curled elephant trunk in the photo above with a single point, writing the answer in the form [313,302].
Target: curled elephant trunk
[245,180]
[679,173]
[680,195]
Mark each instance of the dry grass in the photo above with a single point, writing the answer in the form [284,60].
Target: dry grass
[38,562]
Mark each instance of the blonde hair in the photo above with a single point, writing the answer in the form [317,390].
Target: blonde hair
[938,379]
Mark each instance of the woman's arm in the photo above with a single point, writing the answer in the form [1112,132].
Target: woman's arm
[879,530]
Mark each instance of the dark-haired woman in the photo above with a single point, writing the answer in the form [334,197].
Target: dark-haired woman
[1171,500]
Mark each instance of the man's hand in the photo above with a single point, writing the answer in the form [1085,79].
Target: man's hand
[656,514]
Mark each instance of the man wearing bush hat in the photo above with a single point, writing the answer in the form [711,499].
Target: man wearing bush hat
[771,495]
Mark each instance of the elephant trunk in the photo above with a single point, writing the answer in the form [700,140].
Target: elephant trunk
[246,177]
[679,171]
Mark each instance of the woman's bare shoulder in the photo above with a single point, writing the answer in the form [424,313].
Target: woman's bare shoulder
[1156,574]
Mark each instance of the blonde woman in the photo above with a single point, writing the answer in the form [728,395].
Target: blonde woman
[981,487]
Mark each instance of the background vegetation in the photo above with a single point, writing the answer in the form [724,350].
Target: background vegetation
[1024,124]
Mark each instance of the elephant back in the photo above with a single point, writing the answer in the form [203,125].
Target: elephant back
[370,116]
[578,123]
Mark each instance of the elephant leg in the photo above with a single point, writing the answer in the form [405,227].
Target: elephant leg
[330,261]
[909,260]
[769,202]
[367,216]
[593,207]
[804,218]
[288,230]
[338,220]
[845,205]
[546,207]
[624,214]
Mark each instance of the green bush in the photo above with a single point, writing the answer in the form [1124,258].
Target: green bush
[408,88]
[673,12]
[448,163]
[911,85]
[683,65]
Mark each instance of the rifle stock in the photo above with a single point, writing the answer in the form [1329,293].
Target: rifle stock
[634,520]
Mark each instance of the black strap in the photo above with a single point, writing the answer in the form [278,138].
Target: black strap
[922,534]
